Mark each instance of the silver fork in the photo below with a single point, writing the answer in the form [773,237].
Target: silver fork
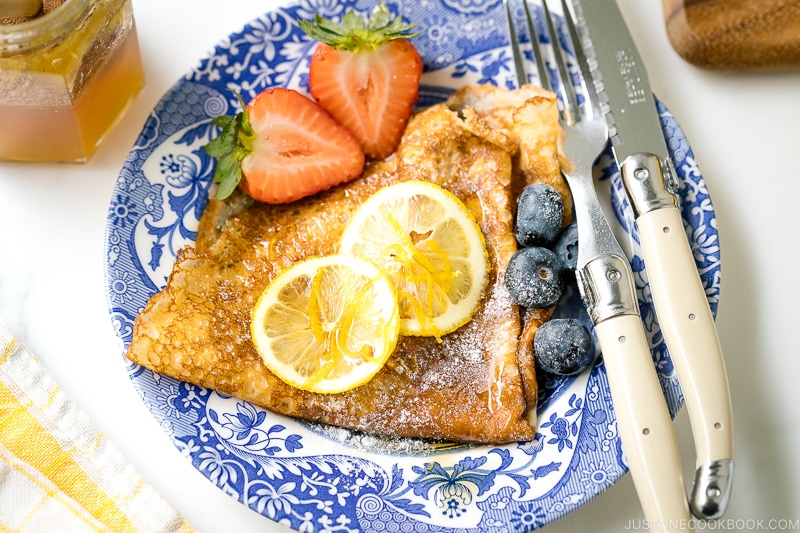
[606,284]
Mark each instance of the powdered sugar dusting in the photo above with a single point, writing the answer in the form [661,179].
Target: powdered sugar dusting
[375,443]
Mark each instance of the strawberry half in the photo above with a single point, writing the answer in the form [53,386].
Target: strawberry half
[366,74]
[283,147]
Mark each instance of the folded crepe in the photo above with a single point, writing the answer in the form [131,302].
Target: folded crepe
[476,385]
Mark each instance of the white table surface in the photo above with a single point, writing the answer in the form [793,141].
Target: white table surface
[745,132]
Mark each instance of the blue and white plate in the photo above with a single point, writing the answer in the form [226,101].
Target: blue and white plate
[314,478]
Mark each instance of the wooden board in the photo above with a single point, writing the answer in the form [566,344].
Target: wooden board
[735,34]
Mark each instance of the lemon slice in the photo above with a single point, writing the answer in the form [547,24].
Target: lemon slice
[431,248]
[327,324]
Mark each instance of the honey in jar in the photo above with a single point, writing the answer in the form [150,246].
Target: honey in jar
[66,78]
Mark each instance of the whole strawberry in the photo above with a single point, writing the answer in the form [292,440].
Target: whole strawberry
[366,74]
[281,147]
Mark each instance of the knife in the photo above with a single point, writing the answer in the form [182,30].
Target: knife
[679,298]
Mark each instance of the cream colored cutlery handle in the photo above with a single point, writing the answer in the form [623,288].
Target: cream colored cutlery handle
[644,424]
[691,336]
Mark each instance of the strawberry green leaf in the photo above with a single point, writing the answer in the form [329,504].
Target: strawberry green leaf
[228,175]
[230,147]
[354,33]
[223,121]
[221,144]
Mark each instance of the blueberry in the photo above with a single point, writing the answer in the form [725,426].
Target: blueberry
[540,211]
[535,277]
[566,247]
[563,346]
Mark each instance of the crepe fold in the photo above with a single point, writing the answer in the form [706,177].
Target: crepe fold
[476,385]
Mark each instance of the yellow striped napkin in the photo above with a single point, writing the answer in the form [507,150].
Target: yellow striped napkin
[57,471]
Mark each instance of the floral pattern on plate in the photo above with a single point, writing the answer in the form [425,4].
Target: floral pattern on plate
[316,478]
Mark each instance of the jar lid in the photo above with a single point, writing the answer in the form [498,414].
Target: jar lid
[14,11]
[49,24]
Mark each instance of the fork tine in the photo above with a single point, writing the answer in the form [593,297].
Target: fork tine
[590,92]
[565,89]
[519,64]
[544,77]
[579,103]
[519,67]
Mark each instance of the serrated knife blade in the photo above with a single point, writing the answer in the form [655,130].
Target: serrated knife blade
[678,294]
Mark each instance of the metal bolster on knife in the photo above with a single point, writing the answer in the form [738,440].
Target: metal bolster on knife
[712,489]
[650,185]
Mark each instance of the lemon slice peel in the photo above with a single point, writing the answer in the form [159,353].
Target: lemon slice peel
[432,249]
[327,324]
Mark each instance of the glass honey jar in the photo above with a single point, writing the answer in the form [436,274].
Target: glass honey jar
[66,78]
